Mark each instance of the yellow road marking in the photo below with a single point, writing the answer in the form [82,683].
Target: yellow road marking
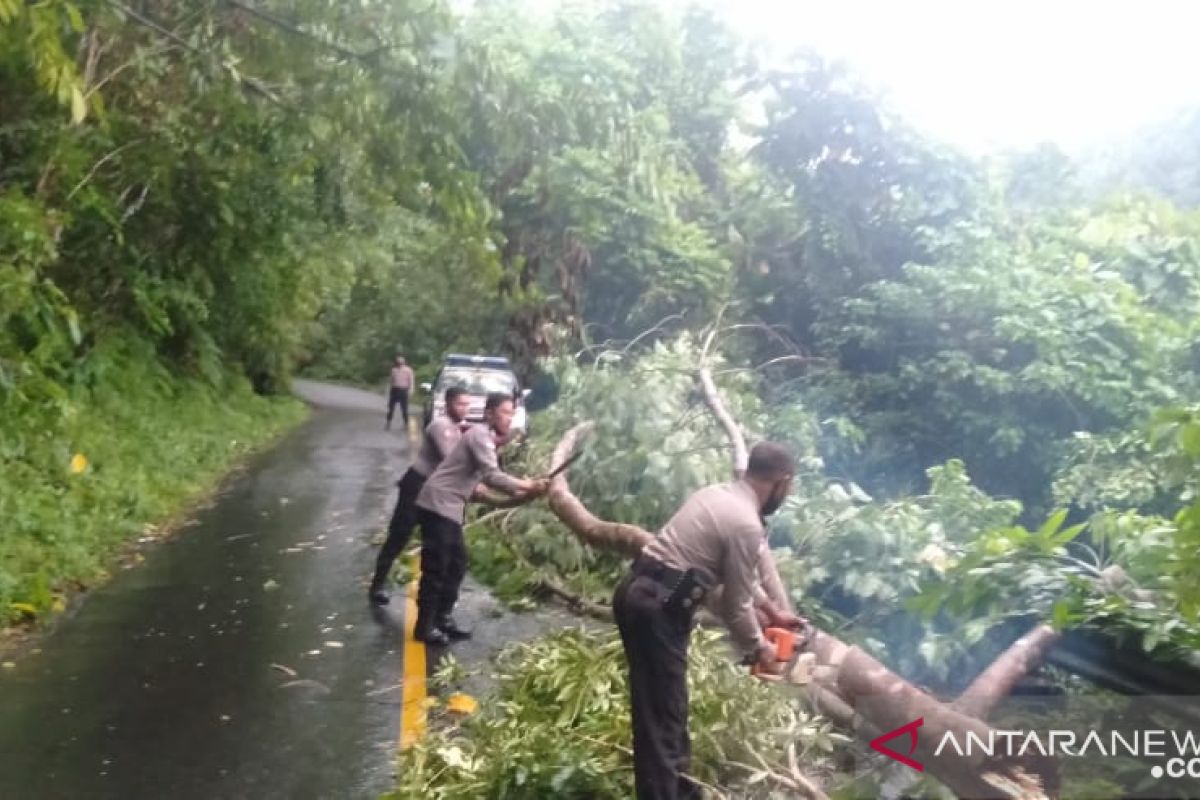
[412,714]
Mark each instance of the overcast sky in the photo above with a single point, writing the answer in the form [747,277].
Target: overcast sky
[986,74]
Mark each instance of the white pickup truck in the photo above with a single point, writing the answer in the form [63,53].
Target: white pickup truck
[480,376]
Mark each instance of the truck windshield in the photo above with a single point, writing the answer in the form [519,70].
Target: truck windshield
[477,381]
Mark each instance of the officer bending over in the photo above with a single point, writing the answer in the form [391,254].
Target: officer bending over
[713,539]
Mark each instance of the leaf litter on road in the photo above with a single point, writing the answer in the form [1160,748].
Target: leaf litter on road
[306,683]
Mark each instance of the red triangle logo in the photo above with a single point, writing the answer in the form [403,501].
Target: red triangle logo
[879,744]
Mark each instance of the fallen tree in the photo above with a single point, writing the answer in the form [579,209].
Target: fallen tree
[997,681]
[844,681]
[853,677]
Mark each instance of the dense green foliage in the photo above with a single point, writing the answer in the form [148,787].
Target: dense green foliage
[1014,337]
[559,727]
[120,462]
[324,186]
[934,584]
[171,222]
[194,197]
[327,186]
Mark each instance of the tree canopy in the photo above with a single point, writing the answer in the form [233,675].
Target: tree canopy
[244,189]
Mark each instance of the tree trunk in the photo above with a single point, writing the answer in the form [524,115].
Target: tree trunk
[625,539]
[997,681]
[886,701]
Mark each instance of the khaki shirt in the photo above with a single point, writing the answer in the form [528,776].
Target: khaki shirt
[474,460]
[441,437]
[718,531]
[402,377]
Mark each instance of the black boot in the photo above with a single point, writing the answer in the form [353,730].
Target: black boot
[376,594]
[448,626]
[431,636]
[425,631]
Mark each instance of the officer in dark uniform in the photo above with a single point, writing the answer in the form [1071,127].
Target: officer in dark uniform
[441,504]
[714,539]
[442,435]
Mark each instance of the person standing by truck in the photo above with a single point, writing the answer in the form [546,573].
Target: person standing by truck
[401,385]
[441,437]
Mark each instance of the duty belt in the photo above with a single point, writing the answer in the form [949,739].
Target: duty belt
[652,568]
[687,587]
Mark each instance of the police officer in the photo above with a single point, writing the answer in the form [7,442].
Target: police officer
[441,437]
[713,539]
[401,384]
[440,507]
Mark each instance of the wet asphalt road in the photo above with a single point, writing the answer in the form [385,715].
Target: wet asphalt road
[241,659]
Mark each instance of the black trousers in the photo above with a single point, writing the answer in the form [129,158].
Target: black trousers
[399,396]
[656,644]
[400,529]
[443,567]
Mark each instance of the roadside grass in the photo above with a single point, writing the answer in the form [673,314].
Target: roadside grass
[83,477]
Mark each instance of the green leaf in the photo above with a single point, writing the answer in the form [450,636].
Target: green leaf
[1061,617]
[1189,438]
[561,777]
[73,328]
[1053,523]
[1069,534]
[74,16]
[78,106]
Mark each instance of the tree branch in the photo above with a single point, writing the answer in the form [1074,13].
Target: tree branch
[253,84]
[801,779]
[741,456]
[772,362]
[712,398]
[804,785]
[296,30]
[95,167]
[626,539]
[655,329]
[997,681]
[102,82]
[489,497]
[488,517]
[768,571]
[594,610]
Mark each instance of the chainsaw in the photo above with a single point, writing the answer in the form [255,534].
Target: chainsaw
[794,665]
